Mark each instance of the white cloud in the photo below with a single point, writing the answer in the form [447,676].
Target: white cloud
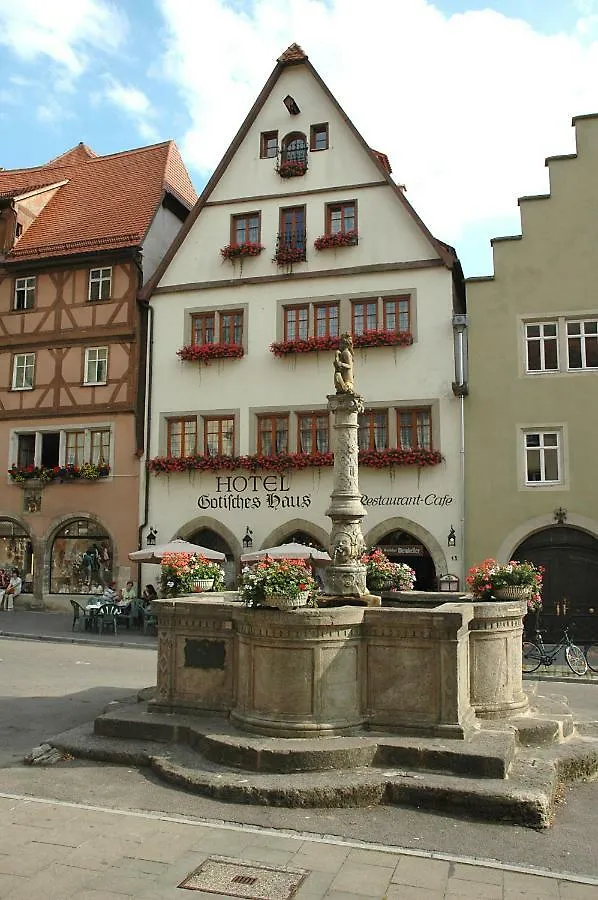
[467,106]
[61,30]
[134,103]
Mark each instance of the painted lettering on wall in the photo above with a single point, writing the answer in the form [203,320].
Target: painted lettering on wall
[239,484]
[270,501]
[410,500]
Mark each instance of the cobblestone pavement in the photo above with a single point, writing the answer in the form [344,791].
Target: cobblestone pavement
[56,851]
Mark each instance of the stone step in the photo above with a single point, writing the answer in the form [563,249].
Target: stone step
[485,754]
[526,797]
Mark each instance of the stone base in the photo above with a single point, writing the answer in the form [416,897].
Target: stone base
[328,602]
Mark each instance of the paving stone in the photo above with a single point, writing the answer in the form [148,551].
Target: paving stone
[521,881]
[466,872]
[119,881]
[457,889]
[20,835]
[8,882]
[255,853]
[359,857]
[409,892]
[90,894]
[320,857]
[55,882]
[315,885]
[30,858]
[568,890]
[427,873]
[363,879]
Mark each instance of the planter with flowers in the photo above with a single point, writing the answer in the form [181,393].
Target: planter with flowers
[291,168]
[280,583]
[339,239]
[384,575]
[32,476]
[328,342]
[242,250]
[205,353]
[182,573]
[495,633]
[286,256]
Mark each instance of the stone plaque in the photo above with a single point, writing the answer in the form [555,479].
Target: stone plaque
[204,654]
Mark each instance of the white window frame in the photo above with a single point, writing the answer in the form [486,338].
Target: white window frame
[581,321]
[542,448]
[100,277]
[89,361]
[541,340]
[62,432]
[22,364]
[26,286]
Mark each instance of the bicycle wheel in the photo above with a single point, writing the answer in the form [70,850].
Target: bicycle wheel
[530,657]
[592,657]
[576,660]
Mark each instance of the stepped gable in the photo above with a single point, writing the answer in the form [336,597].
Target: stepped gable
[107,202]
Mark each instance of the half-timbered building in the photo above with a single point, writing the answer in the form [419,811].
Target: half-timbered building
[78,238]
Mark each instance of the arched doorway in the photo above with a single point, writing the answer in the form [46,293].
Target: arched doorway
[302,537]
[81,558]
[400,546]
[570,559]
[207,537]
[16,551]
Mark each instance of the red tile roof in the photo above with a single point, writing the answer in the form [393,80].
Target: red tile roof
[108,202]
[294,53]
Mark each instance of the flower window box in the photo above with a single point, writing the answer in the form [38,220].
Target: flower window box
[207,352]
[286,256]
[340,239]
[292,168]
[361,341]
[241,251]
[44,474]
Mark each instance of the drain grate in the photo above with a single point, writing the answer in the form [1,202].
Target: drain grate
[252,881]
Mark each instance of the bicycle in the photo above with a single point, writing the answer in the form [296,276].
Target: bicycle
[535,655]
[591,651]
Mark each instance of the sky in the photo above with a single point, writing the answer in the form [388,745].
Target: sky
[466,97]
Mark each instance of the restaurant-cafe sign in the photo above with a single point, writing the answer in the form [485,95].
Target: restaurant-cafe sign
[243,492]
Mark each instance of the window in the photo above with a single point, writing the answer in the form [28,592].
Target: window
[396,314]
[273,434]
[414,429]
[96,365]
[319,137]
[541,347]
[313,433]
[224,327]
[25,450]
[582,344]
[74,453]
[292,228]
[268,144]
[100,284]
[296,323]
[100,445]
[219,436]
[326,319]
[181,436]
[542,457]
[341,217]
[364,316]
[25,292]
[294,148]
[245,227]
[23,372]
[373,430]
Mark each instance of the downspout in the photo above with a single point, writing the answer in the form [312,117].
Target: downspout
[460,389]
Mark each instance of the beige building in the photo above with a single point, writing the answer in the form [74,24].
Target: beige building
[301,234]
[532,491]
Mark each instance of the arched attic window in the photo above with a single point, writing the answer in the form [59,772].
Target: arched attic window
[293,155]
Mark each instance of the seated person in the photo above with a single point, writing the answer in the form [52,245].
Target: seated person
[109,595]
[149,595]
[15,585]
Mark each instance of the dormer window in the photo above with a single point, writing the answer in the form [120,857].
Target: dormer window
[18,230]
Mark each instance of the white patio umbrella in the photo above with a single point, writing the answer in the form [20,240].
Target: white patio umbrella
[155,554]
[287,551]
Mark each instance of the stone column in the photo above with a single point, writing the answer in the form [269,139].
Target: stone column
[496,680]
[346,576]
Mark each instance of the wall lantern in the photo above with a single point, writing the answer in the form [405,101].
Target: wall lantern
[452,538]
[248,539]
[291,105]
[151,537]
[448,583]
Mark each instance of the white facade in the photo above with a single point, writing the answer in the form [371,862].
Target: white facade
[395,256]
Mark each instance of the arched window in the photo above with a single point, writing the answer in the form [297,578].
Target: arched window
[81,561]
[16,551]
[294,148]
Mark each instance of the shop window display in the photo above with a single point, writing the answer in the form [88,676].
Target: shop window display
[81,559]
[16,551]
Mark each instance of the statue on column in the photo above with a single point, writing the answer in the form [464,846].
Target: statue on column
[343,366]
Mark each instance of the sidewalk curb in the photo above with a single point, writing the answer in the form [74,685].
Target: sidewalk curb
[57,639]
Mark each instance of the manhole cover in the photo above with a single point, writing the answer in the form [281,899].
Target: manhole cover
[221,875]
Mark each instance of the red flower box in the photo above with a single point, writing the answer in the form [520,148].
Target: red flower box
[289,255]
[207,352]
[367,339]
[283,462]
[340,239]
[241,251]
[292,168]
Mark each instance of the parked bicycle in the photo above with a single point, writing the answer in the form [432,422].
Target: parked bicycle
[537,654]
[591,651]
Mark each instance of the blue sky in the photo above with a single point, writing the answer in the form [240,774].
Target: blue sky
[466,97]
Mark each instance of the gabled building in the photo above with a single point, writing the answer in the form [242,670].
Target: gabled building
[79,236]
[300,235]
[532,491]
